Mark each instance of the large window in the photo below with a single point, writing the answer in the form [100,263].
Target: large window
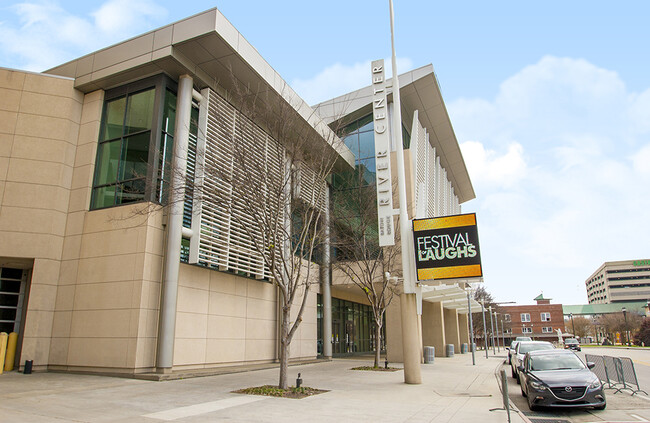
[525,317]
[546,317]
[135,143]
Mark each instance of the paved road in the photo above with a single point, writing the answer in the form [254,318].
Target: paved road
[621,407]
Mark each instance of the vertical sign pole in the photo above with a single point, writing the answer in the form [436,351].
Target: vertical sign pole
[471,327]
[410,338]
[485,344]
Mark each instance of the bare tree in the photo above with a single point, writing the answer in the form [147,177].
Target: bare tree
[583,326]
[358,255]
[484,297]
[272,185]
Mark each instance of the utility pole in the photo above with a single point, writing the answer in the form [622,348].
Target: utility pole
[471,326]
[408,300]
[494,348]
[485,343]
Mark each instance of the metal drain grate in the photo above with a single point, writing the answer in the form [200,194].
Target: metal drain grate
[549,421]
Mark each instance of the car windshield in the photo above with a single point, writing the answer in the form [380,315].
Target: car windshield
[571,341]
[555,362]
[524,348]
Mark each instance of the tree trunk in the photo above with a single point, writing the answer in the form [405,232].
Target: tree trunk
[284,350]
[377,344]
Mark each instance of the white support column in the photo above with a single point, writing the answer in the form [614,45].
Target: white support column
[325,282]
[410,337]
[166,335]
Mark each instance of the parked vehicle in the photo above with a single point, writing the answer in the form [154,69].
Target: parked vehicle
[572,344]
[511,350]
[559,378]
[522,348]
[513,346]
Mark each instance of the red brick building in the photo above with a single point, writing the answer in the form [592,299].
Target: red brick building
[539,321]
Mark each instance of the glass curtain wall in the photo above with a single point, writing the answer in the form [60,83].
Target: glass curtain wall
[353,328]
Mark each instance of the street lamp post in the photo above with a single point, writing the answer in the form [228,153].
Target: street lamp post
[494,350]
[496,324]
[627,338]
[503,335]
[572,324]
[485,345]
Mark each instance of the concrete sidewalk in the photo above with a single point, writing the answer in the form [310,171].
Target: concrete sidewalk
[452,391]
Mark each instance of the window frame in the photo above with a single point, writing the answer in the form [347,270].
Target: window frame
[526,329]
[547,329]
[159,83]
[524,319]
[543,314]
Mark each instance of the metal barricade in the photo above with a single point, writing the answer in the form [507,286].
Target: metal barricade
[627,375]
[599,369]
[617,372]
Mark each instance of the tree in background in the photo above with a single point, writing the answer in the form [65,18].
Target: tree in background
[583,327]
[642,337]
[356,243]
[482,296]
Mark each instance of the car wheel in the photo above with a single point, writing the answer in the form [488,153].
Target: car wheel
[600,407]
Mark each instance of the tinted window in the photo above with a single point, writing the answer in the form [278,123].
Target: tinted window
[524,348]
[555,362]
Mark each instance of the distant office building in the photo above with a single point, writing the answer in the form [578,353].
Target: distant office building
[619,282]
[540,321]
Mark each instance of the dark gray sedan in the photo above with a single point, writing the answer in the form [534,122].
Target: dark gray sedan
[558,378]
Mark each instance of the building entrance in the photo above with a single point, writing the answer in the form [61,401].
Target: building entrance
[353,328]
[12,293]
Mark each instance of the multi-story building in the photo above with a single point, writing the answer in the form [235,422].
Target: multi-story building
[619,282]
[540,321]
[96,276]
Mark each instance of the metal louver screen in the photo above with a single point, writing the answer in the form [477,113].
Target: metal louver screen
[225,239]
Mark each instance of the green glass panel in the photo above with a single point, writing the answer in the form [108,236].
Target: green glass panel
[352,141]
[139,112]
[135,156]
[108,160]
[103,197]
[169,113]
[366,123]
[131,191]
[406,138]
[366,145]
[113,119]
[367,172]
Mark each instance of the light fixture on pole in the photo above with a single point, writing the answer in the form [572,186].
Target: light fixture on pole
[494,350]
[627,338]
[497,328]
[485,344]
[573,324]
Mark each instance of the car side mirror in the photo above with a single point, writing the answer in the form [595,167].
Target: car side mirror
[508,348]
[520,368]
[591,364]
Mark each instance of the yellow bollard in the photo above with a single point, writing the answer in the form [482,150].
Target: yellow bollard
[11,351]
[3,349]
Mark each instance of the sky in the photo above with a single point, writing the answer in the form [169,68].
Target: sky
[550,102]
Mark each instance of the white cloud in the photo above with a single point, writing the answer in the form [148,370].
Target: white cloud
[556,159]
[339,79]
[41,34]
[490,167]
[641,161]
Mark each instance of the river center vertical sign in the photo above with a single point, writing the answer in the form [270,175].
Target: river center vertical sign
[447,247]
[384,181]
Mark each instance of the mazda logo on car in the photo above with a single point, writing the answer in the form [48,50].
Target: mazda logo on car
[568,389]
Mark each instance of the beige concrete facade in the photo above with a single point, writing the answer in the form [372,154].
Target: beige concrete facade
[94,277]
[433,327]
